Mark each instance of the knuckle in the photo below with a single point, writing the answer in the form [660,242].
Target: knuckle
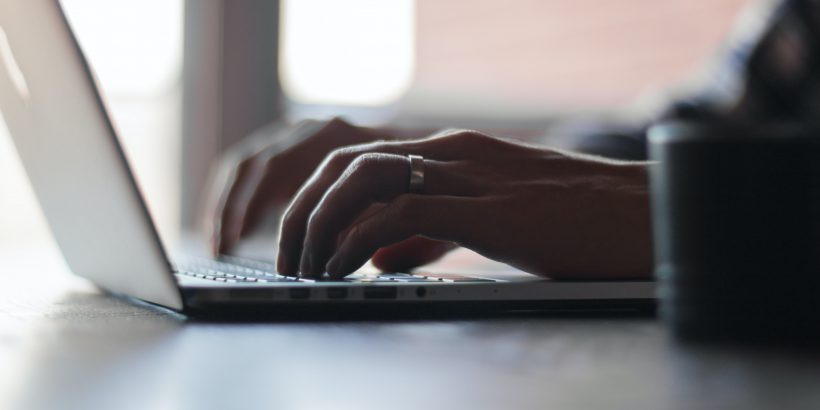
[287,217]
[314,222]
[315,226]
[468,136]
[247,166]
[269,159]
[356,234]
[331,126]
[337,122]
[339,158]
[366,163]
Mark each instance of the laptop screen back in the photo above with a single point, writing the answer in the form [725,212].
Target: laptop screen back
[71,155]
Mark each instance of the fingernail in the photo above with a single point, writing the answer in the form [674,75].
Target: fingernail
[282,266]
[304,266]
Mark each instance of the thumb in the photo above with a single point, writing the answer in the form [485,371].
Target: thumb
[410,253]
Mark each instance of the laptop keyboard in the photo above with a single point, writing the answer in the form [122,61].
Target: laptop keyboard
[231,269]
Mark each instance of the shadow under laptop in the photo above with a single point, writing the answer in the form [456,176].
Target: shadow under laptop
[396,312]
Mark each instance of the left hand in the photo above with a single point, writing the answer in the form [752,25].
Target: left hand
[544,211]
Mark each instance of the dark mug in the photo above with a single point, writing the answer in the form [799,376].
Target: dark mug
[736,218]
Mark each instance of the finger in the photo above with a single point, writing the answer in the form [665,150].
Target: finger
[228,209]
[294,222]
[410,253]
[243,179]
[292,227]
[262,196]
[444,218]
[229,182]
[259,204]
[372,178]
[285,169]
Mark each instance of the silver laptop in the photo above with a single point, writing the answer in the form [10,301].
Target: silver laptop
[85,187]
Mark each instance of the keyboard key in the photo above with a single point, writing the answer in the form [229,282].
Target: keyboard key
[224,270]
[395,275]
[370,280]
[467,280]
[414,279]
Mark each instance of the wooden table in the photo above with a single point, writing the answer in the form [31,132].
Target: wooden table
[65,345]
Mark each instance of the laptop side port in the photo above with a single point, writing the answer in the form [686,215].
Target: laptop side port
[380,292]
[336,293]
[299,293]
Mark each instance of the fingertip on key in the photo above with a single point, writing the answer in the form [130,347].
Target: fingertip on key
[214,247]
[304,265]
[286,268]
[220,248]
[282,266]
[333,267]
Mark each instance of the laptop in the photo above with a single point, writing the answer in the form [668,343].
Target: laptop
[81,178]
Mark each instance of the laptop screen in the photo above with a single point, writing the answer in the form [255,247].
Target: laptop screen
[72,157]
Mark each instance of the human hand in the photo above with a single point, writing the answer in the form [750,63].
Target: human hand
[261,174]
[544,211]
[260,177]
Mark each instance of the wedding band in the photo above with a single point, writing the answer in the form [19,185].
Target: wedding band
[416,184]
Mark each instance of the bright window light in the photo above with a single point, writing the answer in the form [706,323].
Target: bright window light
[352,52]
[135,47]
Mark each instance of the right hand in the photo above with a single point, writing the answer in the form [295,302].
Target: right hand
[263,174]
[544,211]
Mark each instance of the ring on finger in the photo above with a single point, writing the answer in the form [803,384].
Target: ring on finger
[416,182]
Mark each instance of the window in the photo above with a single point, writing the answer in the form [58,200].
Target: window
[490,57]
[354,52]
[135,48]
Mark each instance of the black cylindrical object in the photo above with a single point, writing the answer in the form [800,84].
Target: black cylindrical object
[736,220]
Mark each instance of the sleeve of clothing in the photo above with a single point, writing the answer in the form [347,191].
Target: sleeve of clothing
[766,71]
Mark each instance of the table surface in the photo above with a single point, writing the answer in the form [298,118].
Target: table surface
[66,345]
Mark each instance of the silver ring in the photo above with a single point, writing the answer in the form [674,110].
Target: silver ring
[416,184]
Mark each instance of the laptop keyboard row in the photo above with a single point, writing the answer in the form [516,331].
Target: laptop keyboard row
[230,269]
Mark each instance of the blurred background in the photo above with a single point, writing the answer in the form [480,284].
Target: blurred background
[186,79]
